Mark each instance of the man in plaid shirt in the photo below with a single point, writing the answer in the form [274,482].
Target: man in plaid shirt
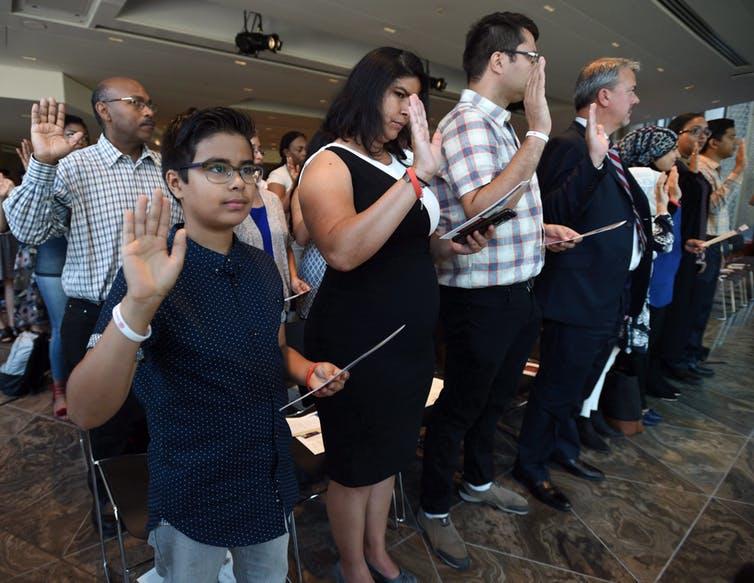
[489,314]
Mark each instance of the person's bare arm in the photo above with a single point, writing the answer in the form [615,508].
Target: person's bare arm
[298,367]
[300,233]
[279,190]
[345,238]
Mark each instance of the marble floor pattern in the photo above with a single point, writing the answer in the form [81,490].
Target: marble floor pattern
[678,504]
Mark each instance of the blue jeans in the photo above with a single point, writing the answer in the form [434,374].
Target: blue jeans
[178,558]
[54,298]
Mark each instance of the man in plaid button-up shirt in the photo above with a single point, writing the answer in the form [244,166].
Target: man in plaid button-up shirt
[488,312]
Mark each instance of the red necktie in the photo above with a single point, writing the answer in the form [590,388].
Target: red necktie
[612,153]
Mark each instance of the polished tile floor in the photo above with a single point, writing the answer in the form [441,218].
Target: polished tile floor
[678,504]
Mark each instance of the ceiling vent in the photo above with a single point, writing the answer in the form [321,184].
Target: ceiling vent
[696,24]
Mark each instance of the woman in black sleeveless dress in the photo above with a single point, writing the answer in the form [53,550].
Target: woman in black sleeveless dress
[364,205]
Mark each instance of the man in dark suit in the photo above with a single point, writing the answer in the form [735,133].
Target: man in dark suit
[584,292]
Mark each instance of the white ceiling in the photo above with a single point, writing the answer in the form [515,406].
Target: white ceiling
[184,54]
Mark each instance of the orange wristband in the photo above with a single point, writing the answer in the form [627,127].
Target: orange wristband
[414,181]
[309,374]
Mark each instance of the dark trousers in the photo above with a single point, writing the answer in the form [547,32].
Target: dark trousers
[572,359]
[678,318]
[702,299]
[657,329]
[126,432]
[489,333]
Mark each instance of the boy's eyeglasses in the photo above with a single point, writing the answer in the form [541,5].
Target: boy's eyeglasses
[533,55]
[137,102]
[697,131]
[222,172]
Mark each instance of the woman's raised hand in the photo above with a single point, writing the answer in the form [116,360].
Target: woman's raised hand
[427,153]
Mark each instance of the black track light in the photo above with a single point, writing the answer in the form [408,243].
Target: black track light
[438,83]
[252,42]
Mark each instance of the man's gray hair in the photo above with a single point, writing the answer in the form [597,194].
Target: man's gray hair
[599,74]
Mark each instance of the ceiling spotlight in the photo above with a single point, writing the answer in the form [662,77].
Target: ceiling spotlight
[252,42]
[438,83]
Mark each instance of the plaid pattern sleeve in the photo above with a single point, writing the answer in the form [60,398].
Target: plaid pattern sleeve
[478,143]
[471,151]
[95,185]
[37,209]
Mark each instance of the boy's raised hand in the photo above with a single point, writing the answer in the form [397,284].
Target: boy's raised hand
[149,270]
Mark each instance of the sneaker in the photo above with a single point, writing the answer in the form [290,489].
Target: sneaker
[444,540]
[654,414]
[497,497]
[648,421]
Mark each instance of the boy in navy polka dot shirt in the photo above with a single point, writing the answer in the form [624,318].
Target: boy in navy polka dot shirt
[201,313]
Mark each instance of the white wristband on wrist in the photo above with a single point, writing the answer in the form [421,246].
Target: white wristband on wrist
[540,135]
[125,329]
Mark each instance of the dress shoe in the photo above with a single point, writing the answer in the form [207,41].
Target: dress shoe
[666,393]
[702,371]
[589,437]
[581,469]
[403,576]
[683,374]
[544,491]
[603,427]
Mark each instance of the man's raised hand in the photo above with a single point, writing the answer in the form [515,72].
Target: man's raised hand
[535,103]
[47,138]
[597,141]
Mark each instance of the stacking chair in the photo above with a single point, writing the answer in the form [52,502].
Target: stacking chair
[125,479]
[310,471]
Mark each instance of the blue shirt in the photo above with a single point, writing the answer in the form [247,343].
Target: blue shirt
[211,381]
[259,216]
[665,267]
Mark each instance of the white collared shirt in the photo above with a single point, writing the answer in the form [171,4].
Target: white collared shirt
[636,250]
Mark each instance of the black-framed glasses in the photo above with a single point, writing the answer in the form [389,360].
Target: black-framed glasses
[222,172]
[697,131]
[136,101]
[533,55]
